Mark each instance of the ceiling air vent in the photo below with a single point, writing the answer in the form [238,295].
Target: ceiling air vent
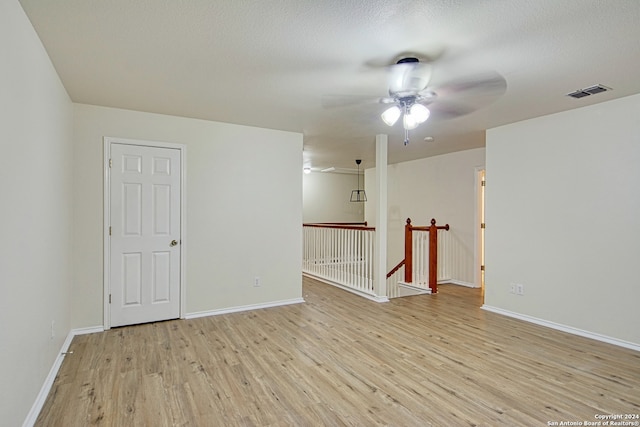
[592,90]
[596,89]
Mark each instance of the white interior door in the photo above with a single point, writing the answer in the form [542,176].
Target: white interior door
[145,234]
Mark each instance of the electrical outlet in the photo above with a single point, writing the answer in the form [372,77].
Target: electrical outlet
[512,288]
[519,289]
[256,282]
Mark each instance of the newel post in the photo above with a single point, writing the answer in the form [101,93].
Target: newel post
[408,252]
[433,255]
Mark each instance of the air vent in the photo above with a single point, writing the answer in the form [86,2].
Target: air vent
[596,89]
[578,94]
[592,90]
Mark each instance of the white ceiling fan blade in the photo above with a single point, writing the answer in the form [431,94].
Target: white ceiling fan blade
[465,95]
[444,110]
[487,83]
[426,97]
[335,101]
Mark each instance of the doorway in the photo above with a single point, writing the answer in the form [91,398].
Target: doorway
[144,231]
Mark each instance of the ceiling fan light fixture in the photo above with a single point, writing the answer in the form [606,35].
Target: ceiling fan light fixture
[409,121]
[414,115]
[420,113]
[391,115]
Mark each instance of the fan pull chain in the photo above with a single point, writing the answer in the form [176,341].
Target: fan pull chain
[406,136]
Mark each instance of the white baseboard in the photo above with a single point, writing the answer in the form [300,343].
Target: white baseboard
[564,328]
[32,416]
[242,308]
[91,330]
[458,282]
[440,282]
[417,290]
[368,296]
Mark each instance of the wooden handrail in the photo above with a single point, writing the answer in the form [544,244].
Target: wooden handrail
[339,226]
[433,252]
[428,228]
[362,223]
[394,269]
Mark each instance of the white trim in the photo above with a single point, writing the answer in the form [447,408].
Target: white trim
[459,283]
[107,220]
[90,330]
[32,416]
[419,289]
[237,309]
[564,328]
[376,298]
[440,282]
[183,230]
[477,219]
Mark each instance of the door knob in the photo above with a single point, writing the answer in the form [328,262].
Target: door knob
[173,243]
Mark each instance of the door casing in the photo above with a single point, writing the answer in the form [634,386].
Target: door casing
[107,219]
[480,172]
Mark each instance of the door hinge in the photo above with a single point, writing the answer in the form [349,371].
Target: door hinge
[111,164]
[483,183]
[483,225]
[482,268]
[109,298]
[109,230]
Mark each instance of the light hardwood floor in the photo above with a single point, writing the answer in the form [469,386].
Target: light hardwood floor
[339,359]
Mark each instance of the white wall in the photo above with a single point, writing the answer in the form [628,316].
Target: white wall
[244,198]
[440,187]
[35,193]
[562,213]
[326,197]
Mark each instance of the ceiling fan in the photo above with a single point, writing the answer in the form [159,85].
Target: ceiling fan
[413,98]
[408,93]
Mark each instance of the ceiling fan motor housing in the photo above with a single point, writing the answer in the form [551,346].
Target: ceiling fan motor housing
[407,60]
[408,77]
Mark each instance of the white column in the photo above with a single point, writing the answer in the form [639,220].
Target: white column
[380,262]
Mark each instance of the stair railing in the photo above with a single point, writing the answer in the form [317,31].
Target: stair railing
[411,258]
[341,254]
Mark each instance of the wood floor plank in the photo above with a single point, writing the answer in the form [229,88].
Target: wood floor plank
[341,360]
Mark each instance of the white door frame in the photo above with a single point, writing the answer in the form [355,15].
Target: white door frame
[107,218]
[477,275]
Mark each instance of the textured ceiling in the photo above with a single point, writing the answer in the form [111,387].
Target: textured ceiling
[273,63]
